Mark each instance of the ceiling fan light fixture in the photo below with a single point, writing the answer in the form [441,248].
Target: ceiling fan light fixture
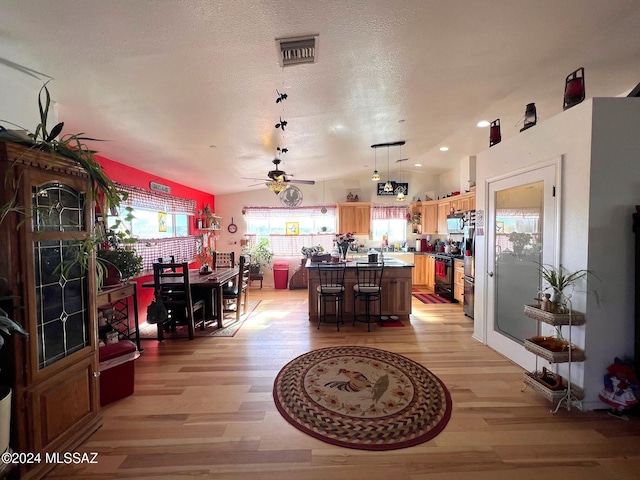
[276,186]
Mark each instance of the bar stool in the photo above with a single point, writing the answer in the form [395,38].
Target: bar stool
[368,289]
[331,290]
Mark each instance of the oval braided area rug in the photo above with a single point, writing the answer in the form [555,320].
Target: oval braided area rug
[362,397]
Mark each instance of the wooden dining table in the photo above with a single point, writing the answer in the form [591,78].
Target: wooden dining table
[214,281]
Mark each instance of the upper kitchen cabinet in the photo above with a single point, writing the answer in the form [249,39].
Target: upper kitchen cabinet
[429,218]
[444,208]
[463,202]
[354,217]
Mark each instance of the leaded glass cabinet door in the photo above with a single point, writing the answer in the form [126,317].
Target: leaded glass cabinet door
[56,382]
[61,282]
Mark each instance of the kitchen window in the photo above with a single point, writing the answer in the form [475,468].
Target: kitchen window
[316,226]
[389,220]
[160,224]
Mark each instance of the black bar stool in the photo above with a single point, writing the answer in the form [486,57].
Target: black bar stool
[368,290]
[331,290]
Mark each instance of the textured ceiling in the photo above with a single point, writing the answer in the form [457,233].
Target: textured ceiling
[164,80]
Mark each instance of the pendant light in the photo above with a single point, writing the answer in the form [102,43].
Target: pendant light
[323,210]
[387,186]
[401,197]
[376,176]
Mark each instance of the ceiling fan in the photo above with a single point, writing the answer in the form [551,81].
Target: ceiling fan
[278,176]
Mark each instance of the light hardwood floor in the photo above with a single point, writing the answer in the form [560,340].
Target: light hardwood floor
[203,409]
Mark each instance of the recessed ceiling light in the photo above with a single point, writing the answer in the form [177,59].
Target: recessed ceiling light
[444,149]
[417,164]
[483,123]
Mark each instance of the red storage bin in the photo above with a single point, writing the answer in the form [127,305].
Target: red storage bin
[281,274]
[117,370]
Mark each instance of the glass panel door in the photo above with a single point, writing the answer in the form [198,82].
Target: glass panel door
[521,235]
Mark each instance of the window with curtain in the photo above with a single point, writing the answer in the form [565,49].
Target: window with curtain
[160,223]
[389,220]
[316,226]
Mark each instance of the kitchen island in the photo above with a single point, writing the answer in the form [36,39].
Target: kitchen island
[396,289]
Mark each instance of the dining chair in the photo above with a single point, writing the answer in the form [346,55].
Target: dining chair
[224,259]
[238,291]
[331,291]
[171,282]
[368,289]
[168,259]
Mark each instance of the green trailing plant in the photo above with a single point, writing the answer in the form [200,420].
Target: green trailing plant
[69,146]
[7,325]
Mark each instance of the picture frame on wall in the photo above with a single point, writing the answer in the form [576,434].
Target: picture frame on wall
[293,228]
[397,188]
[162,222]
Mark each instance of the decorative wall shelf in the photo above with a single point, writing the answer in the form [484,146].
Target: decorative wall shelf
[555,319]
[570,395]
[537,345]
[532,380]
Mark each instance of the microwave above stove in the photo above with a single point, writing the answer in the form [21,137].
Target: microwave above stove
[455,223]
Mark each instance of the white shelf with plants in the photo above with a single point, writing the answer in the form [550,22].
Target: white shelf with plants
[206,220]
[555,349]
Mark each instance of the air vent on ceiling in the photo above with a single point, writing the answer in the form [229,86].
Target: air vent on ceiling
[297,50]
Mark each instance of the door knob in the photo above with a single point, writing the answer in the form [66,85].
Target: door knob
[490,274]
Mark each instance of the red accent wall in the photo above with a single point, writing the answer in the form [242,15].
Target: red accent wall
[137,178]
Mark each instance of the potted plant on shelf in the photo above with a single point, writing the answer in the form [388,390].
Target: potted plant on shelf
[261,254]
[117,260]
[558,280]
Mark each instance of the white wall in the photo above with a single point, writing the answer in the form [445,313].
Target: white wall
[600,148]
[19,101]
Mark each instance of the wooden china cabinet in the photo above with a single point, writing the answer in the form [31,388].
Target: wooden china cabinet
[53,373]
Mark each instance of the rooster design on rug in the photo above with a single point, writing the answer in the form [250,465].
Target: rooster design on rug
[358,382]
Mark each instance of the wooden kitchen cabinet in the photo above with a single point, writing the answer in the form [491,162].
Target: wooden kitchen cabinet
[354,217]
[463,202]
[54,372]
[420,269]
[429,218]
[458,280]
[396,293]
[424,270]
[431,272]
[443,211]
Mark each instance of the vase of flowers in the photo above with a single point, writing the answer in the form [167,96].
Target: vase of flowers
[343,240]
